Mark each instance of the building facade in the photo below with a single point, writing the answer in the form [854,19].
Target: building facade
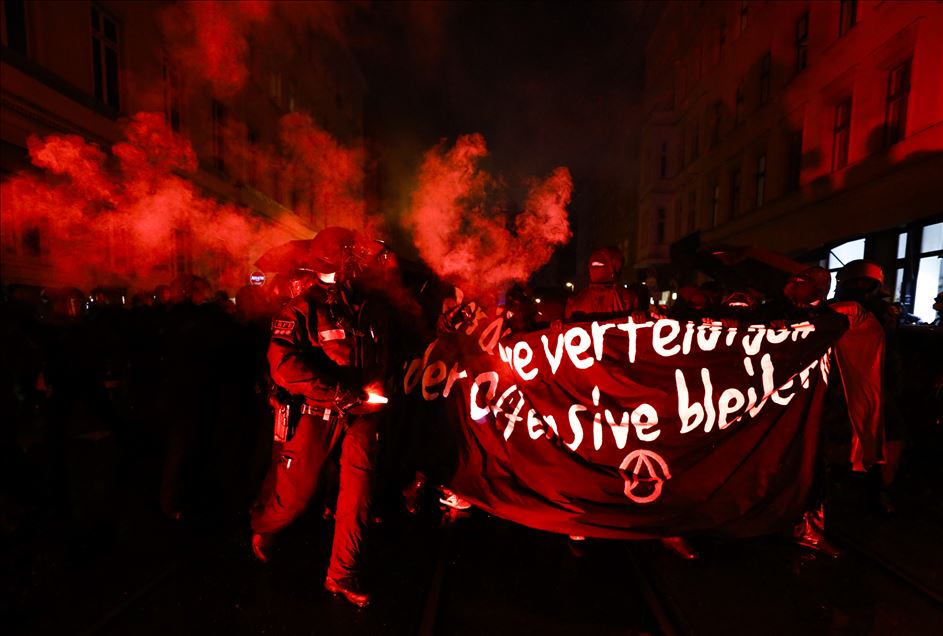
[83,67]
[810,128]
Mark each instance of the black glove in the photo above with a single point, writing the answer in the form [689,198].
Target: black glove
[346,399]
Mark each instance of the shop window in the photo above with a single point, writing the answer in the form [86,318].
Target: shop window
[841,255]
[898,283]
[930,272]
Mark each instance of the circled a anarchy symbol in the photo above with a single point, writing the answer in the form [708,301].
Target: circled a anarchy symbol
[643,470]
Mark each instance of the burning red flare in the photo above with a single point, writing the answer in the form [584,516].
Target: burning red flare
[376,398]
[457,237]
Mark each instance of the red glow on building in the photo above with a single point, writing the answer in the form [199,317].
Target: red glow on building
[798,129]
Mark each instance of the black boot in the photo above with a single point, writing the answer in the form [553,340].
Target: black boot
[810,533]
[261,544]
[878,497]
[348,587]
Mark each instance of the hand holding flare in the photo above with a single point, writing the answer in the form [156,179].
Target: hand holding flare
[373,402]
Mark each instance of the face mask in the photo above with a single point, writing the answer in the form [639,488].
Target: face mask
[601,273]
[328,279]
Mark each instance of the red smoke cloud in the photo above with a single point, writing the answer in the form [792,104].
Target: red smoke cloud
[216,46]
[210,38]
[462,242]
[332,173]
[123,219]
[326,176]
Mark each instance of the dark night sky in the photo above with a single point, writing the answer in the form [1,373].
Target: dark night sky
[547,84]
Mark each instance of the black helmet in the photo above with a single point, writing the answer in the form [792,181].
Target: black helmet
[331,249]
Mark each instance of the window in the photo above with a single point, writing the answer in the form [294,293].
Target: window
[841,255]
[900,266]
[252,137]
[219,129]
[14,21]
[738,104]
[679,219]
[105,58]
[276,184]
[802,42]
[171,95]
[895,114]
[794,162]
[695,141]
[765,67]
[663,161]
[33,242]
[930,271]
[841,135]
[715,124]
[744,15]
[181,260]
[292,99]
[848,16]
[735,192]
[721,42]
[660,226]
[683,149]
[692,210]
[760,180]
[275,87]
[715,204]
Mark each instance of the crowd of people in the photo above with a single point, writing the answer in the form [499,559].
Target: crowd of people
[179,389]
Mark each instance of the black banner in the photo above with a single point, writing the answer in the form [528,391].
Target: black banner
[625,430]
